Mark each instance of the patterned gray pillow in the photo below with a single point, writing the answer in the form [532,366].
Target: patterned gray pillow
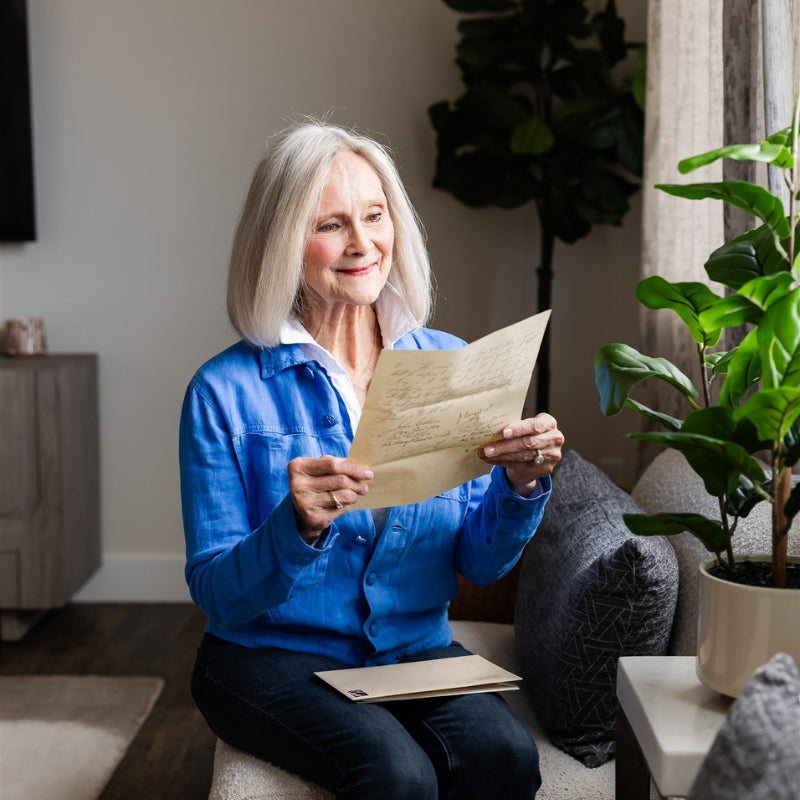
[756,753]
[590,592]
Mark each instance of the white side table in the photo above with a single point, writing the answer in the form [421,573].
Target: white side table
[666,724]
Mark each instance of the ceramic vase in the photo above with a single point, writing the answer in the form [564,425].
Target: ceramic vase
[739,628]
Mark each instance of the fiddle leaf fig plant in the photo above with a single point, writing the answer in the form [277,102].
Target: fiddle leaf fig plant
[741,431]
[551,117]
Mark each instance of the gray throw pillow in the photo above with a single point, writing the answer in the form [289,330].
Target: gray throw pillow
[590,591]
[756,753]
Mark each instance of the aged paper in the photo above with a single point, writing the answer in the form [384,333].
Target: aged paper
[428,412]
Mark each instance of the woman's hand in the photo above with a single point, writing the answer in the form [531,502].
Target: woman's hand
[529,449]
[322,489]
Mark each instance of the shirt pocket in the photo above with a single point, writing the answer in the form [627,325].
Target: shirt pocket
[264,456]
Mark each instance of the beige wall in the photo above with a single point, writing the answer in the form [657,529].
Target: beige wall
[149,117]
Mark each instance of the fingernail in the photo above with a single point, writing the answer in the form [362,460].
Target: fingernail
[489,451]
[508,433]
[369,474]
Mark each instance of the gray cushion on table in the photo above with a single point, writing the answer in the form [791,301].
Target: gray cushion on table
[590,592]
[756,753]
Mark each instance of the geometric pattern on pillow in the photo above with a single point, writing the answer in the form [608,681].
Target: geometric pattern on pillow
[589,592]
[756,753]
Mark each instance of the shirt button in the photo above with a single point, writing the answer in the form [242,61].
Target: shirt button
[310,372]
[372,579]
[329,420]
[360,539]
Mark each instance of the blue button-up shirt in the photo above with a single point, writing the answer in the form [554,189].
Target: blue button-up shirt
[357,596]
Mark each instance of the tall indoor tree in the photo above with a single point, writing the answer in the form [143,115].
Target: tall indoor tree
[552,115]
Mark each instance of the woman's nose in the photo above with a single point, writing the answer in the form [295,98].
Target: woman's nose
[359,240]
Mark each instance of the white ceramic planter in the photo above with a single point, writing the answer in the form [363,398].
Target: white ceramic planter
[739,628]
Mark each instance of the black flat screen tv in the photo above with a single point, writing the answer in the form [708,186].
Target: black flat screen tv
[17,208]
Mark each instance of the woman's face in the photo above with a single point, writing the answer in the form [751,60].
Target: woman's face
[348,254]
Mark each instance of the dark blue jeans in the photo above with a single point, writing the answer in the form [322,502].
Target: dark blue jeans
[269,703]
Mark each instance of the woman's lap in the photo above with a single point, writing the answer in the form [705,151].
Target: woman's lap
[269,703]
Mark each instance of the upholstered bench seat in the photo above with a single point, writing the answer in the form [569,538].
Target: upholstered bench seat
[238,776]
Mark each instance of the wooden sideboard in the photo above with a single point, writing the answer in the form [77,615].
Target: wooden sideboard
[49,484]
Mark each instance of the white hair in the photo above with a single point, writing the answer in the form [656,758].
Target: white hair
[265,276]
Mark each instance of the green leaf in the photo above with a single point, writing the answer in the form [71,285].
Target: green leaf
[747,496]
[578,107]
[779,342]
[568,221]
[721,422]
[639,78]
[765,290]
[619,367]
[772,411]
[749,303]
[718,361]
[753,199]
[601,196]
[769,152]
[532,137]
[708,531]
[790,447]
[669,422]
[480,179]
[748,256]
[687,299]
[783,137]
[742,371]
[492,105]
[729,312]
[792,506]
[716,461]
[611,33]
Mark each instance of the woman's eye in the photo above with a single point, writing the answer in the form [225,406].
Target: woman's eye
[327,227]
[375,217]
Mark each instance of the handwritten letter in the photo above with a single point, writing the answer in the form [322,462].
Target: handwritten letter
[428,412]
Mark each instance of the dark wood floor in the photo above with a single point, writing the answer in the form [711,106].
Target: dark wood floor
[172,755]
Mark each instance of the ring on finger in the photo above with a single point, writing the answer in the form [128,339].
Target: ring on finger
[336,501]
[538,458]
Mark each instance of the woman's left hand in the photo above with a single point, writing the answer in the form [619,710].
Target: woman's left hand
[529,449]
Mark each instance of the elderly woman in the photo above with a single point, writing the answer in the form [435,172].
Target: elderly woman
[329,267]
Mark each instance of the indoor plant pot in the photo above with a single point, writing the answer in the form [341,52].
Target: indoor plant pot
[746,411]
[741,627]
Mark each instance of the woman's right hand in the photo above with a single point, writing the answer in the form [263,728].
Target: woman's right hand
[323,489]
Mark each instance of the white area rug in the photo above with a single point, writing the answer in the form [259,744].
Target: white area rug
[61,737]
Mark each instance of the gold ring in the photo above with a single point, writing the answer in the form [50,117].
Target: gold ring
[336,501]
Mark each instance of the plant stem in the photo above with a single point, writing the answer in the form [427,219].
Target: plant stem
[545,292]
[729,563]
[704,380]
[781,489]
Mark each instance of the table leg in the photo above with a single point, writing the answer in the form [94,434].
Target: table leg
[631,774]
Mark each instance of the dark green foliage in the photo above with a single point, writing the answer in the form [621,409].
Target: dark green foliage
[551,114]
[544,117]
